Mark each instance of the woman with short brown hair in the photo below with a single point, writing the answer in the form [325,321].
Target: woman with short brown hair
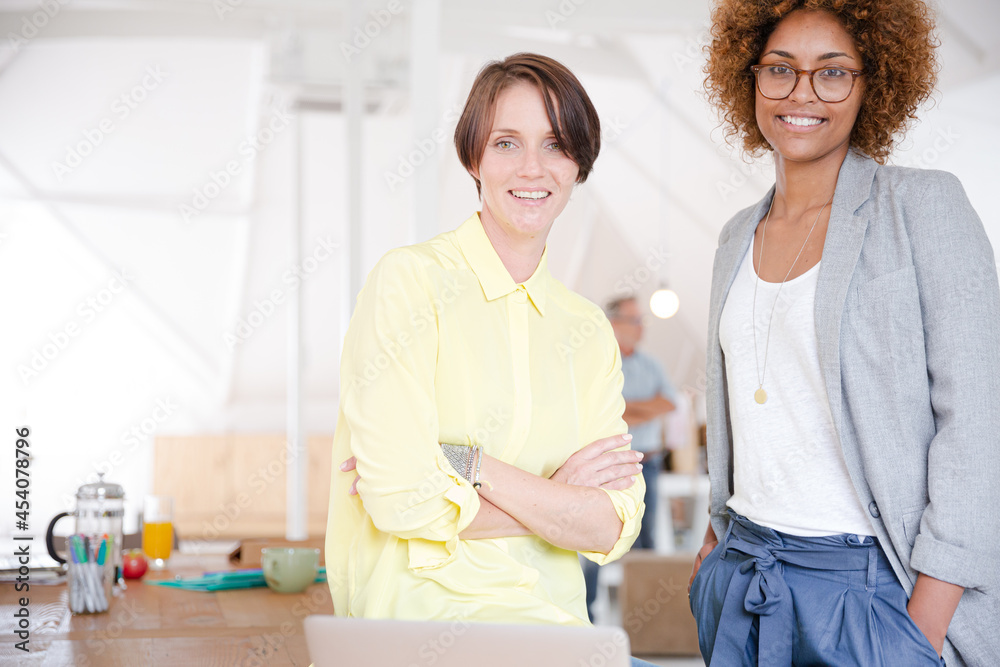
[472,382]
[573,118]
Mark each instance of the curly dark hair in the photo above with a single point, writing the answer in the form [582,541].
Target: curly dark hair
[897,46]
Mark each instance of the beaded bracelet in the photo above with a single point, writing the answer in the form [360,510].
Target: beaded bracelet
[463,459]
[475,482]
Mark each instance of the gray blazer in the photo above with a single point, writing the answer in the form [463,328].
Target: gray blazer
[908,322]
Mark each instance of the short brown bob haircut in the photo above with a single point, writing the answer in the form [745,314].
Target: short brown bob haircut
[571,113]
[894,37]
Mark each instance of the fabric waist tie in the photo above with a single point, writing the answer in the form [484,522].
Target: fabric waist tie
[758,586]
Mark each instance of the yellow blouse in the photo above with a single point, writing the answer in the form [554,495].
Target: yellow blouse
[445,347]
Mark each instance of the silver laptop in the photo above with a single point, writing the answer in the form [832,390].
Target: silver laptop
[355,642]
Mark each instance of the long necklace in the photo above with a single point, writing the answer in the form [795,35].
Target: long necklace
[760,395]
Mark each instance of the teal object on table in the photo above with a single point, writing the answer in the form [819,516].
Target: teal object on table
[224,581]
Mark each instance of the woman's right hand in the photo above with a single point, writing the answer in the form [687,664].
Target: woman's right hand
[347,466]
[702,553]
[599,465]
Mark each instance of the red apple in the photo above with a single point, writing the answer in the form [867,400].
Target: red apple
[134,564]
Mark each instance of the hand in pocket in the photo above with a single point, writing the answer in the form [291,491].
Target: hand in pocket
[702,553]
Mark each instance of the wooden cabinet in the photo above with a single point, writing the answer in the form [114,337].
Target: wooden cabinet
[233,486]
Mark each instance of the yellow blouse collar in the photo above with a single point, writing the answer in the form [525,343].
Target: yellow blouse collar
[493,276]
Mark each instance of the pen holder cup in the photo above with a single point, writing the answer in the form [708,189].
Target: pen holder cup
[91,576]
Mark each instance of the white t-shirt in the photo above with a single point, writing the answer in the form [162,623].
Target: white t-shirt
[789,470]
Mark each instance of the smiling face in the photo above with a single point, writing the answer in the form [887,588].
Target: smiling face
[801,127]
[526,179]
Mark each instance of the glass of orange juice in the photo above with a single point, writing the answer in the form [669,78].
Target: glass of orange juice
[157,530]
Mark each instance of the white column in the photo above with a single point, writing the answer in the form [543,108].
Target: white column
[296,507]
[354,110]
[425,110]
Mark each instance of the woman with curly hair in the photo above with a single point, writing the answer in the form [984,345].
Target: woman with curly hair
[853,366]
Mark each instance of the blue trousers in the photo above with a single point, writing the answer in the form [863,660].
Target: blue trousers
[652,464]
[769,598]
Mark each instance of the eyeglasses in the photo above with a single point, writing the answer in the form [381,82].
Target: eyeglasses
[831,84]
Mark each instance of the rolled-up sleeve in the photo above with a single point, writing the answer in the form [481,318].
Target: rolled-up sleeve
[956,272]
[603,407]
[407,487]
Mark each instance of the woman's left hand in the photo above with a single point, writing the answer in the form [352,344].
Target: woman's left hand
[602,464]
[347,466]
[931,606]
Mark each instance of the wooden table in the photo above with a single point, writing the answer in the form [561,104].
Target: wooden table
[156,625]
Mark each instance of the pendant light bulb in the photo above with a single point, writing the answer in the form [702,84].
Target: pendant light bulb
[664,303]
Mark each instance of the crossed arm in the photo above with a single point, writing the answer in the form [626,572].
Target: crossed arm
[568,510]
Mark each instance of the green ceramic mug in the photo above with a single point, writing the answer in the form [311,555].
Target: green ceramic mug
[289,569]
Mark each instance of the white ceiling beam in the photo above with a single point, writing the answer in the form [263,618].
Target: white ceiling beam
[580,16]
[162,19]
[132,203]
[159,325]
[486,44]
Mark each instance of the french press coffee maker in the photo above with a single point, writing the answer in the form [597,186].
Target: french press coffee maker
[100,509]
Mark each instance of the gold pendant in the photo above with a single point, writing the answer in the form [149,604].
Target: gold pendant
[760,396]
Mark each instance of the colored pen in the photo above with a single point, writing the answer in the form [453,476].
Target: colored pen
[83,581]
[99,569]
[75,602]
